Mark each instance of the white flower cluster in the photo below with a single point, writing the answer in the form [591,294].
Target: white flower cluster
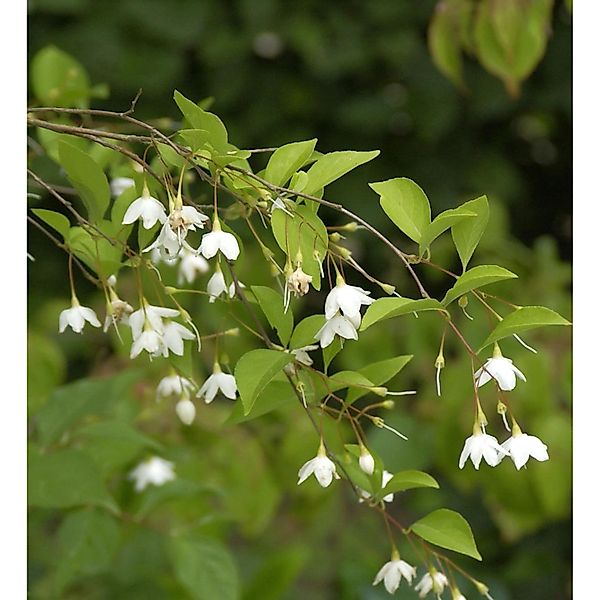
[342,312]
[520,446]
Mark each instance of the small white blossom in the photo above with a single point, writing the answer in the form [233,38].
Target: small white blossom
[218,381]
[76,316]
[433,581]
[173,336]
[392,573]
[146,208]
[297,283]
[154,471]
[218,240]
[186,411]
[521,446]
[173,385]
[481,445]
[346,298]
[345,327]
[501,369]
[216,286]
[153,315]
[191,265]
[118,312]
[322,467]
[119,184]
[366,461]
[150,341]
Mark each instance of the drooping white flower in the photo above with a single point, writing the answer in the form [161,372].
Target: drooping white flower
[146,208]
[217,240]
[76,316]
[432,581]
[171,238]
[154,471]
[481,445]
[186,411]
[346,298]
[218,381]
[173,385]
[117,310]
[345,327]
[322,467]
[173,335]
[393,571]
[149,340]
[501,369]
[366,461]
[119,184]
[191,265]
[153,315]
[216,285]
[521,446]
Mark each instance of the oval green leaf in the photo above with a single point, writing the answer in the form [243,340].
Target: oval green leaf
[522,319]
[285,161]
[474,279]
[467,233]
[447,529]
[386,308]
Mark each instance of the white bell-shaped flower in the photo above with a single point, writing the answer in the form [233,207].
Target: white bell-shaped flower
[366,461]
[153,315]
[433,581]
[149,340]
[118,311]
[173,335]
[154,471]
[345,327]
[190,266]
[481,445]
[186,411]
[146,208]
[219,241]
[346,298]
[321,466]
[173,385]
[218,381]
[76,317]
[521,446]
[501,369]
[393,571]
[216,285]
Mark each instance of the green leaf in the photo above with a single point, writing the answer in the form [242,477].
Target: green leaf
[523,319]
[204,567]
[408,480]
[447,529]
[379,373]
[466,234]
[332,166]
[58,79]
[57,221]
[66,478]
[87,543]
[275,395]
[70,403]
[285,161]
[87,177]
[444,40]
[255,370]
[201,119]
[406,204]
[386,308]
[474,279]
[440,224]
[271,304]
[304,333]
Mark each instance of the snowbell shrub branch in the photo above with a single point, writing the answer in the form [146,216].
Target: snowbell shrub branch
[152,194]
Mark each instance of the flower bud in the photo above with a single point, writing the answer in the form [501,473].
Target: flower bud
[366,461]
[335,237]
[352,226]
[387,288]
[186,411]
[463,301]
[171,290]
[379,391]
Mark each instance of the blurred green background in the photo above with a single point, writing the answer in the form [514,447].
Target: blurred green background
[356,75]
